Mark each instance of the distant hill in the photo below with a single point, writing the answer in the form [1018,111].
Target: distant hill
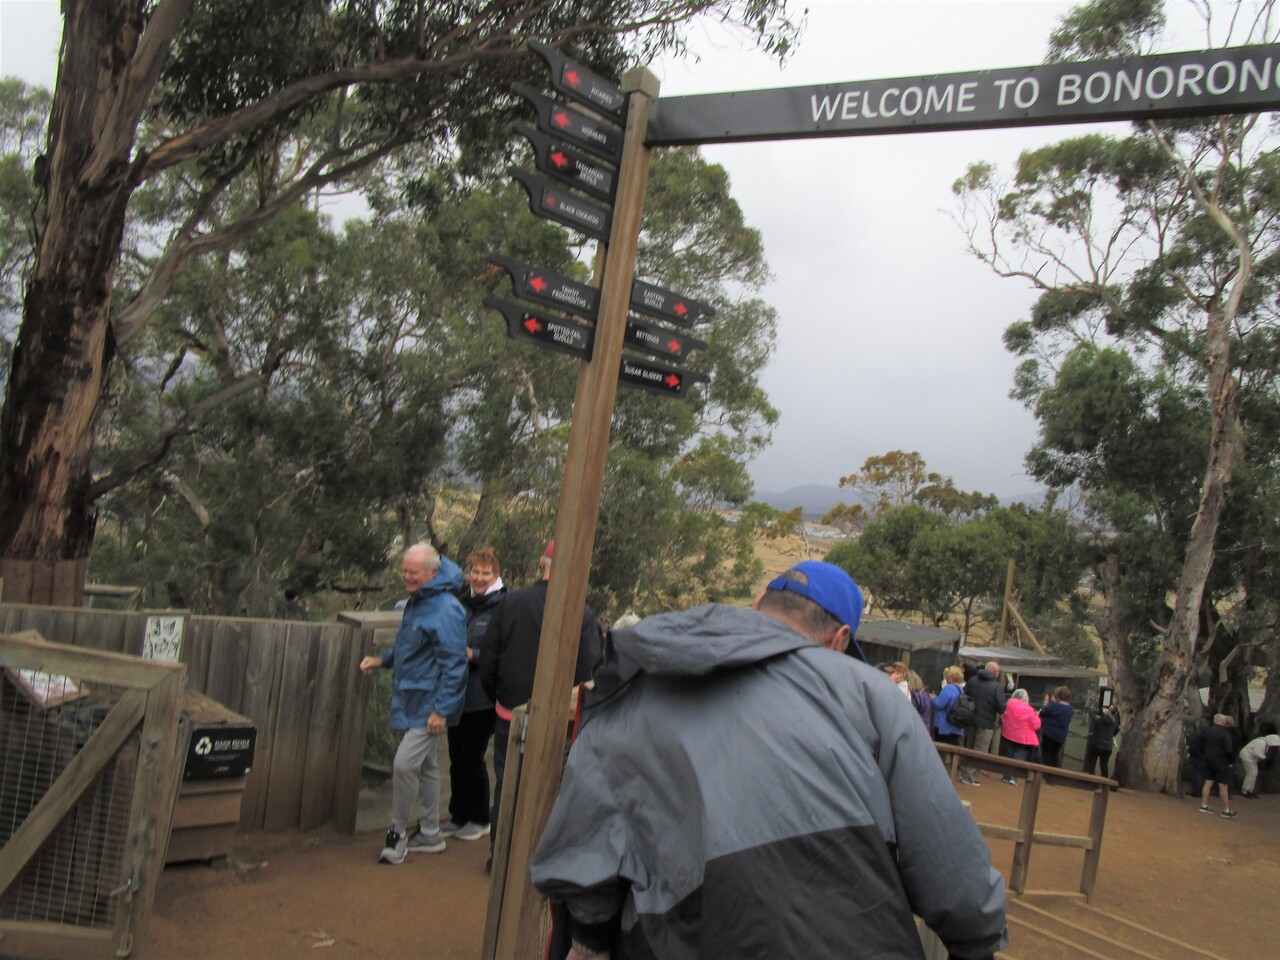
[816,499]
[813,498]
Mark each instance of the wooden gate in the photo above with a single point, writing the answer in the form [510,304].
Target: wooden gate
[92,751]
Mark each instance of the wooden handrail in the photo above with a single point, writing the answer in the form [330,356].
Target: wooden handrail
[1024,835]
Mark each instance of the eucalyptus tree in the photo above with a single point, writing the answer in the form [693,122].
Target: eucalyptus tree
[271,100]
[1149,359]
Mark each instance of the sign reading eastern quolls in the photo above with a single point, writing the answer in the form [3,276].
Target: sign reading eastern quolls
[1208,82]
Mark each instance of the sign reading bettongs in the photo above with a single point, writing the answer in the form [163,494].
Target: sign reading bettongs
[579,151]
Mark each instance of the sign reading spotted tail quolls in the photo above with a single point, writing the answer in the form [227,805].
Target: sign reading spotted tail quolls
[544,329]
[1230,80]
[563,206]
[578,83]
[657,378]
[548,288]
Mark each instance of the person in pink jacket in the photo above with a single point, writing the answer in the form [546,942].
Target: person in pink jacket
[1018,737]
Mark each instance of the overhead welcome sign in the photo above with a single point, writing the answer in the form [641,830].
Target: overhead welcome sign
[1208,82]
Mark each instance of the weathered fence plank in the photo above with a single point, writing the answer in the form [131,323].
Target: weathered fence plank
[298,682]
[328,695]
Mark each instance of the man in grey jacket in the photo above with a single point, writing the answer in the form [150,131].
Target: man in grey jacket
[740,789]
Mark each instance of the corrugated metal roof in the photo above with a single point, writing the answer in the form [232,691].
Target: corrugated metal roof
[906,636]
[1022,660]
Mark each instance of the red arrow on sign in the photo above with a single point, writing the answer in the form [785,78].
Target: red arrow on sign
[559,159]
[680,309]
[572,77]
[551,200]
[532,325]
[537,284]
[560,118]
[674,345]
[672,381]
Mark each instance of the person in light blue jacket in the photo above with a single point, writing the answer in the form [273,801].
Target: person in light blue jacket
[428,687]
[944,731]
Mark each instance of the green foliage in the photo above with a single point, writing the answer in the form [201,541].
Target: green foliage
[1106,28]
[23,110]
[1149,361]
[387,405]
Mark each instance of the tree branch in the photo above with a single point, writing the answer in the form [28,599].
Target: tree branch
[185,424]
[120,126]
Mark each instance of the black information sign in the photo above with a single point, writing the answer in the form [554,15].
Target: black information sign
[578,83]
[1230,80]
[548,200]
[652,338]
[602,139]
[654,301]
[569,164]
[555,333]
[667,381]
[550,289]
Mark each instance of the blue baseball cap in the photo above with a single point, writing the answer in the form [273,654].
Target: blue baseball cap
[830,588]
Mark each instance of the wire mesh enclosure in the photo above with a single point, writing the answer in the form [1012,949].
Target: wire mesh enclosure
[75,876]
[90,749]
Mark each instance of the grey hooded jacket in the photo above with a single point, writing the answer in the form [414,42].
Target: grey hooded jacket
[737,791]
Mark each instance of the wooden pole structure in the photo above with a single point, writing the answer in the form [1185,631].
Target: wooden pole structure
[522,907]
[1004,612]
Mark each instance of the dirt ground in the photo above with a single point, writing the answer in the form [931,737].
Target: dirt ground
[1206,881]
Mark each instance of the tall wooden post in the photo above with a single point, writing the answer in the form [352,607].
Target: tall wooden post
[1008,602]
[522,907]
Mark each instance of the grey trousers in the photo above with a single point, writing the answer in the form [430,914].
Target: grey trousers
[416,771]
[982,743]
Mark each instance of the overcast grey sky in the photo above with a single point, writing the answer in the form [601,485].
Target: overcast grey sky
[889,334]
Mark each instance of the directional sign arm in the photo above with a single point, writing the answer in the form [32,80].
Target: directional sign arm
[570,165]
[546,330]
[554,203]
[655,301]
[550,289]
[578,83]
[596,136]
[658,378]
[652,338]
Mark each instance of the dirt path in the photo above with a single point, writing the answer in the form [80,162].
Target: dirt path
[1204,880]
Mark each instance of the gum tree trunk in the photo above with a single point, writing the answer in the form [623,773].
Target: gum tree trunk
[107,68]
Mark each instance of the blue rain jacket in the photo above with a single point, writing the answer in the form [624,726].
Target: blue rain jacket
[429,661]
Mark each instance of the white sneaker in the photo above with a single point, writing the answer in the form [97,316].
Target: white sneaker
[396,848]
[427,842]
[448,828]
[472,831]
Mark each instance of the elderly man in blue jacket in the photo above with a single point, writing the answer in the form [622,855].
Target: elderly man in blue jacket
[428,684]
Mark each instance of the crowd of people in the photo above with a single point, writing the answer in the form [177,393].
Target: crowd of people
[740,779]
[662,841]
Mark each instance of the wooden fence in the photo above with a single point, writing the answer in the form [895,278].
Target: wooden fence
[299,683]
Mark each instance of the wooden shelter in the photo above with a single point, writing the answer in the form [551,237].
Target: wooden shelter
[926,650]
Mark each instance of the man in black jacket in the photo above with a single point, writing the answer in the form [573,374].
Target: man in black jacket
[510,655]
[988,702]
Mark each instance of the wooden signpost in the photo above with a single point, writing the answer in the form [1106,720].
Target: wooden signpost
[603,154]
[516,911]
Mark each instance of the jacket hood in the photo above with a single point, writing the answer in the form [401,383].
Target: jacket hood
[985,674]
[448,577]
[705,639]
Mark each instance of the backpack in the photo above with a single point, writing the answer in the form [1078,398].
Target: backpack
[963,711]
[924,706]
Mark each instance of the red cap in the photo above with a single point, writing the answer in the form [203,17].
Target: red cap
[551,549]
